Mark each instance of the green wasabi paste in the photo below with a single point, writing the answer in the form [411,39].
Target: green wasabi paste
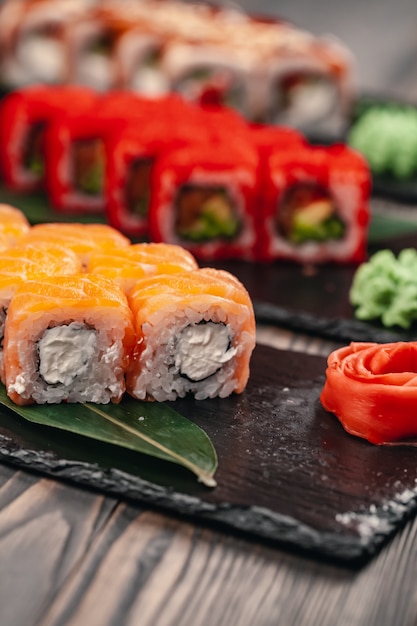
[385,288]
[387,138]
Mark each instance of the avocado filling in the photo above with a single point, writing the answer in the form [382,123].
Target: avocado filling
[138,185]
[202,349]
[308,213]
[205,213]
[33,156]
[66,352]
[88,161]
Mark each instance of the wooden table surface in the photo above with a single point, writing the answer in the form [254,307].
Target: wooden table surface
[71,557]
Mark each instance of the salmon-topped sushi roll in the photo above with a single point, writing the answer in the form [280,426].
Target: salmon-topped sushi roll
[13,224]
[22,263]
[4,243]
[126,265]
[195,333]
[82,239]
[67,339]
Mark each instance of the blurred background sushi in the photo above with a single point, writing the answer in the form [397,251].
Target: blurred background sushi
[270,69]
[103,101]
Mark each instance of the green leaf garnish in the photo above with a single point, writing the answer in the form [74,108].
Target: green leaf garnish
[150,428]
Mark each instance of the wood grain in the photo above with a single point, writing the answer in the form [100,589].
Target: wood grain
[45,529]
[130,567]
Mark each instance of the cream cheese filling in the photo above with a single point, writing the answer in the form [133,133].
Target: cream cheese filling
[66,352]
[202,349]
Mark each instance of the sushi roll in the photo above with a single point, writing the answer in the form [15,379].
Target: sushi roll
[269,139]
[82,239]
[26,262]
[195,333]
[126,265]
[199,70]
[32,39]
[270,70]
[67,339]
[204,198]
[310,81]
[91,46]
[132,153]
[25,115]
[13,225]
[76,150]
[315,206]
[136,57]
[145,30]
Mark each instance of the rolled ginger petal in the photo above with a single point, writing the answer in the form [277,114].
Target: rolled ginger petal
[372,390]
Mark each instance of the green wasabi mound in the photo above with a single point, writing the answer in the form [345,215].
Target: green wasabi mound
[387,138]
[385,288]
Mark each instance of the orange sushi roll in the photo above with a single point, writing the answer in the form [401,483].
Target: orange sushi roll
[22,263]
[126,265]
[4,243]
[13,225]
[195,333]
[82,239]
[67,339]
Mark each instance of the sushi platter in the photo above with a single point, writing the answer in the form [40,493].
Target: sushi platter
[274,434]
[182,148]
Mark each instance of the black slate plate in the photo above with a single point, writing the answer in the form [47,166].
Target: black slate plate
[288,473]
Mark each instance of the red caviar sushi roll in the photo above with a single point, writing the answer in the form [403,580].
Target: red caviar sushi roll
[76,150]
[269,139]
[195,333]
[67,339]
[130,158]
[315,206]
[24,117]
[204,198]
[132,153]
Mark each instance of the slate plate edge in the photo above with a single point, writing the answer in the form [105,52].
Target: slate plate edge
[254,522]
[342,330]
